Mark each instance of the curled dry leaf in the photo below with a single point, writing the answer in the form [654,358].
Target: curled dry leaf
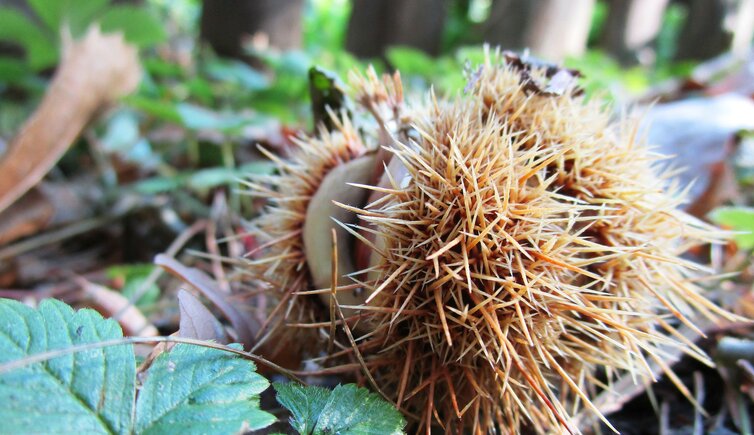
[93,72]
[245,326]
[697,134]
[197,321]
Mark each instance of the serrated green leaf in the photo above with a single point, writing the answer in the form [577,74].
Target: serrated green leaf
[304,403]
[346,410]
[138,25]
[738,219]
[201,390]
[190,390]
[90,391]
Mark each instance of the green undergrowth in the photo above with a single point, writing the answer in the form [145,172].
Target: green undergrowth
[67,371]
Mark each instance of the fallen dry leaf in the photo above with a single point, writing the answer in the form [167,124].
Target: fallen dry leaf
[26,216]
[197,321]
[697,134]
[93,72]
[244,325]
[47,205]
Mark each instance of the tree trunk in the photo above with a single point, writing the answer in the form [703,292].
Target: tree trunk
[631,28]
[364,36]
[506,25]
[703,35]
[377,24]
[742,26]
[559,28]
[226,23]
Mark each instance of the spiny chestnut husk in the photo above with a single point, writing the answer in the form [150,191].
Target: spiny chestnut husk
[523,251]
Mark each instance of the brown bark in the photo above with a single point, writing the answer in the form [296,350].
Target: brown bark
[703,35]
[377,24]
[507,22]
[552,29]
[226,23]
[631,29]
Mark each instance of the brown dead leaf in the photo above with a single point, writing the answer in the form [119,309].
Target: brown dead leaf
[46,206]
[561,80]
[244,325]
[26,216]
[197,321]
[699,136]
[93,72]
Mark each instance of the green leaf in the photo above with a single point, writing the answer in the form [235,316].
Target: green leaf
[90,391]
[738,219]
[159,109]
[41,50]
[200,118]
[346,410]
[76,13]
[236,72]
[410,61]
[132,277]
[162,68]
[201,390]
[138,25]
[304,403]
[202,179]
[326,92]
[12,70]
[191,389]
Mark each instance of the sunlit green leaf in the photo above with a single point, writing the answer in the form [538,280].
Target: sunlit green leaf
[41,50]
[740,219]
[76,14]
[138,25]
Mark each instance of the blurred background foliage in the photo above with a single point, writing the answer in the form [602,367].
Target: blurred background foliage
[212,69]
[161,171]
[220,76]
